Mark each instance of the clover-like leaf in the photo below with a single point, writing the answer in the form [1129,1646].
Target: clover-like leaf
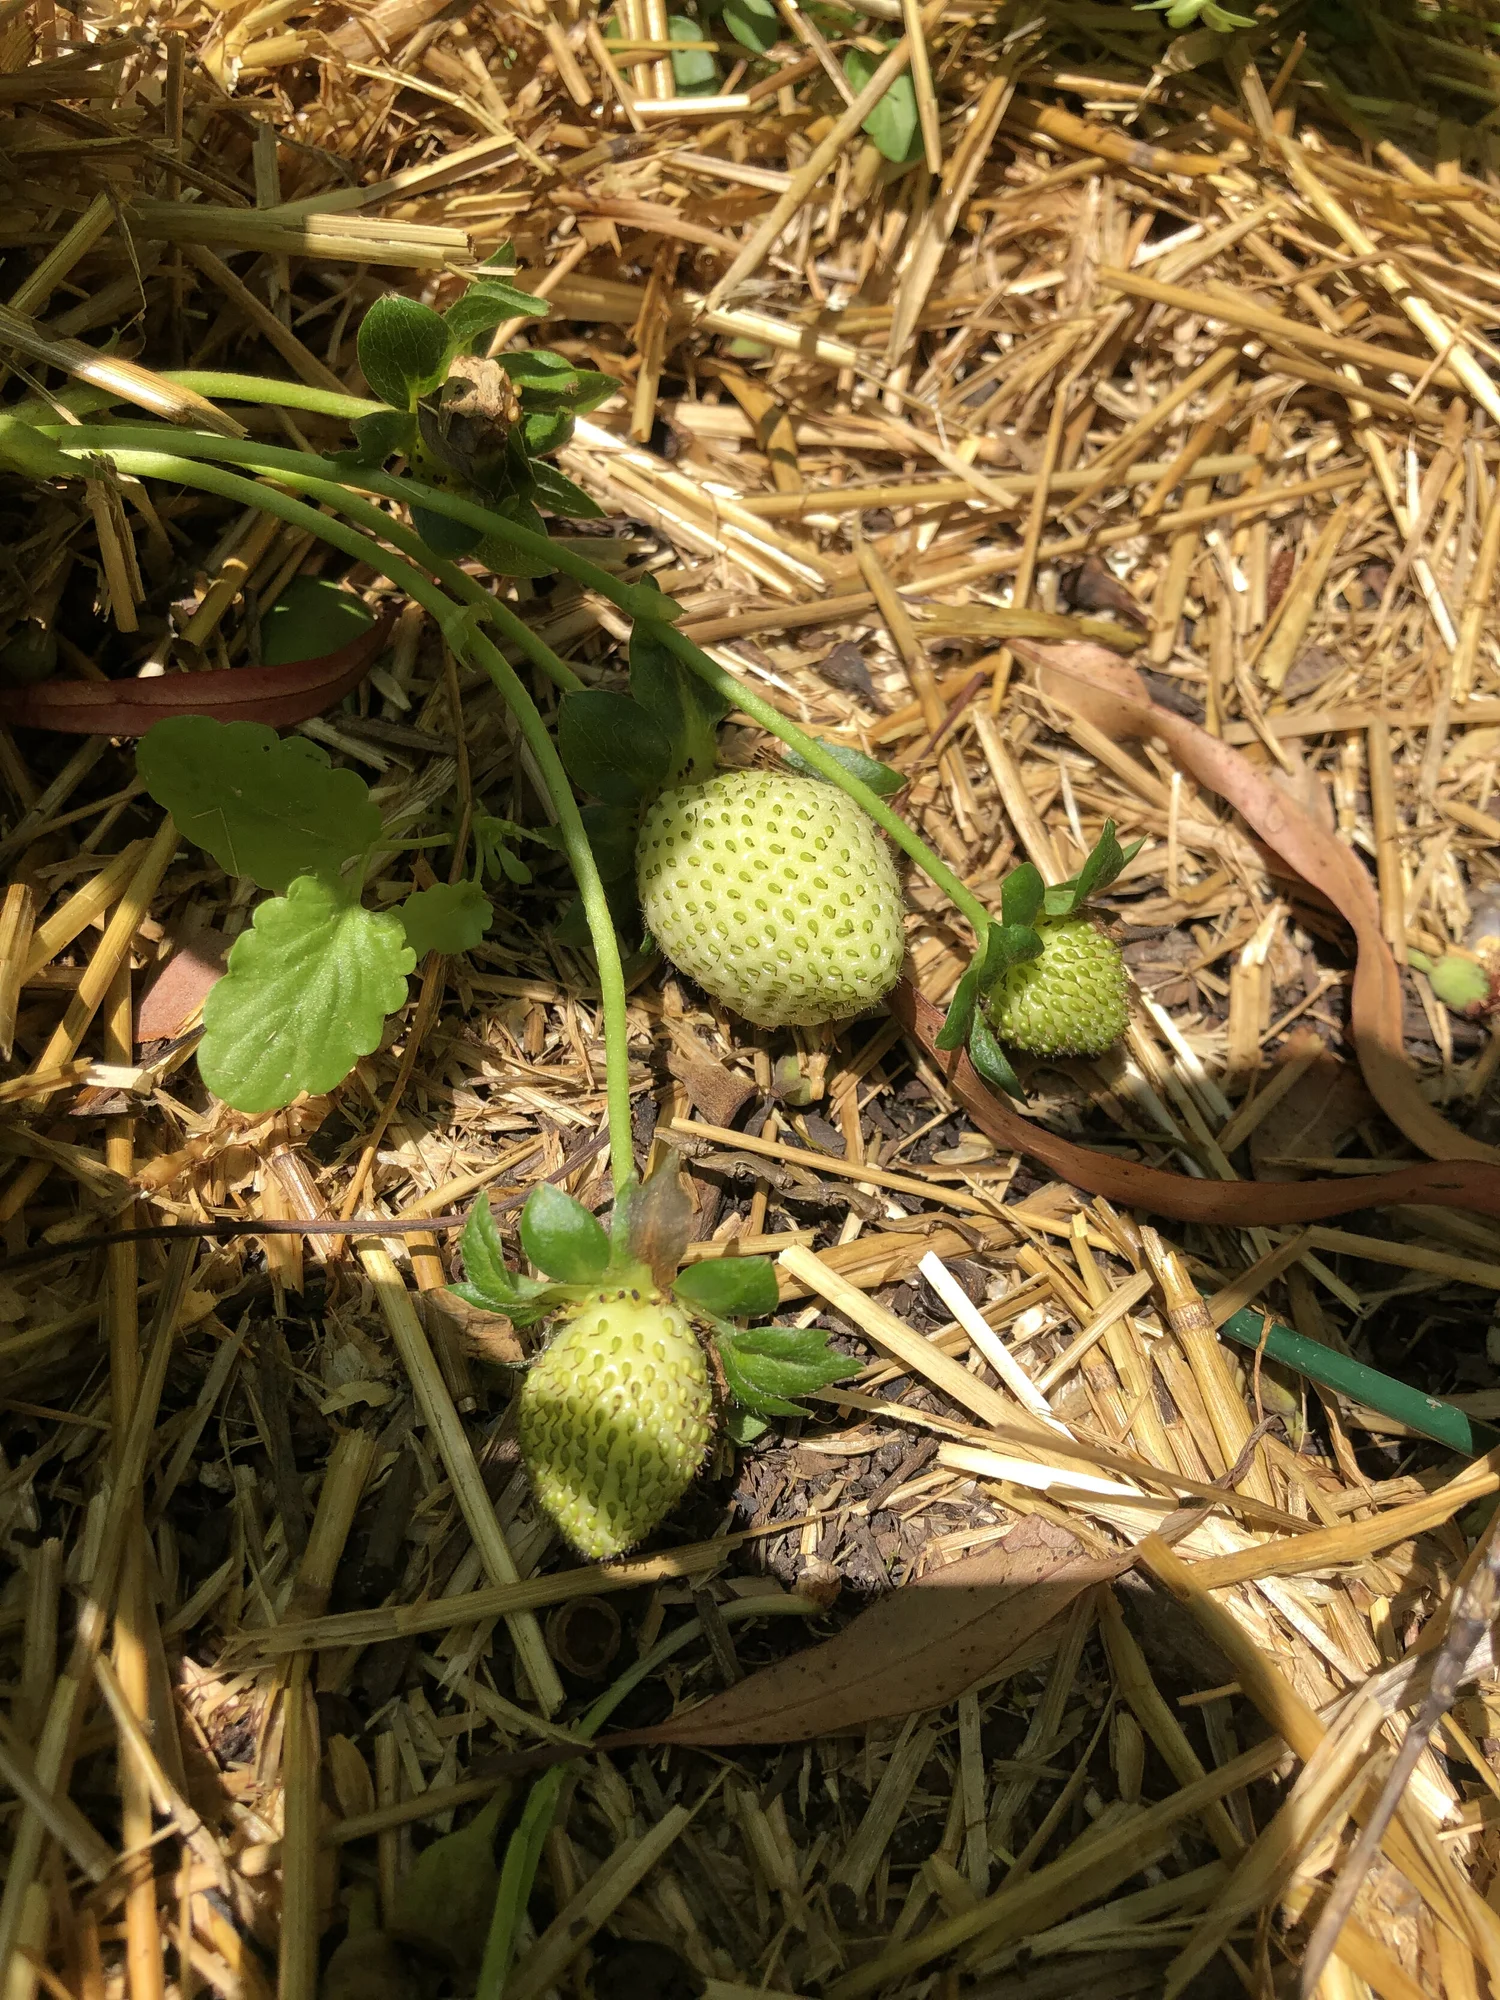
[611,746]
[892,125]
[880,778]
[262,805]
[730,1287]
[403,349]
[990,1059]
[306,995]
[494,841]
[489,1283]
[450,917]
[561,1238]
[765,1366]
[694,71]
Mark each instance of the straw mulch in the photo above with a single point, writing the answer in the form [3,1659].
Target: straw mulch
[1131,365]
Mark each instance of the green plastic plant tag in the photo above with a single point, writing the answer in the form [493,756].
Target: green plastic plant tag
[305,996]
[730,1287]
[561,1238]
[403,349]
[262,806]
[450,917]
[311,618]
[611,746]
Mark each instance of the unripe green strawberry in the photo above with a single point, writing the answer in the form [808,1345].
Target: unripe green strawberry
[1069,1002]
[614,1418]
[777,894]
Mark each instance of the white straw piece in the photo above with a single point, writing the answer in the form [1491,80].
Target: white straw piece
[985,1338]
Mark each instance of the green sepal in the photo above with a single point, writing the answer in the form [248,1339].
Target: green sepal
[880,778]
[648,601]
[562,1238]
[1105,861]
[730,1287]
[685,709]
[403,349]
[990,1059]
[1005,944]
[1022,895]
[653,1224]
[489,1283]
[765,1366]
[611,746]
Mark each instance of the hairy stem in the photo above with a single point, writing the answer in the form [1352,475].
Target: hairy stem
[467,641]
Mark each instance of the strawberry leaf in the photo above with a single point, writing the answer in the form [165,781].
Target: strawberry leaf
[403,349]
[764,1366]
[881,778]
[730,1287]
[686,711]
[489,1283]
[611,746]
[990,1059]
[561,1238]
[306,995]
[1106,859]
[450,917]
[264,806]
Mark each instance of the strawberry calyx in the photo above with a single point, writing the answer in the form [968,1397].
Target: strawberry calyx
[1030,911]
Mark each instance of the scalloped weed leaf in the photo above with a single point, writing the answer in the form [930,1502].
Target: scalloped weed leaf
[694,71]
[489,1283]
[730,1287]
[611,746]
[755,24]
[765,1366]
[880,778]
[312,617]
[450,917]
[403,349]
[1106,859]
[262,805]
[892,126]
[306,995]
[562,1238]
[686,710]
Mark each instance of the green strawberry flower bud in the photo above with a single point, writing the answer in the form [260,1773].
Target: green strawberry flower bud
[777,894]
[615,1416]
[1071,1001]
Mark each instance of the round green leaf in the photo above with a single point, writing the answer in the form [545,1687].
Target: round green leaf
[262,806]
[311,618]
[561,1238]
[403,349]
[694,71]
[893,124]
[449,917]
[730,1287]
[306,995]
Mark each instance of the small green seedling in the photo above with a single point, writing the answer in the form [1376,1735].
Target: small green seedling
[310,984]
[617,1411]
[1461,984]
[1183,13]
[1048,981]
[473,426]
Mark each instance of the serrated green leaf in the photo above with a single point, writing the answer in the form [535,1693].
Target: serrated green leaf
[489,303]
[1022,894]
[305,996]
[880,778]
[403,349]
[312,618]
[561,496]
[685,709]
[730,1287]
[611,746]
[561,1237]
[755,24]
[262,806]
[766,1365]
[694,71]
[990,1059]
[893,125]
[549,382]
[450,917]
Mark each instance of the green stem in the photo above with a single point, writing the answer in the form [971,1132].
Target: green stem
[465,640]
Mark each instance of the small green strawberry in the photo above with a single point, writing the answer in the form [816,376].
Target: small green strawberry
[776,893]
[1068,1001]
[615,1416]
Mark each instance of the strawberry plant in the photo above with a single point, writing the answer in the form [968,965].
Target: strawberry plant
[616,1414]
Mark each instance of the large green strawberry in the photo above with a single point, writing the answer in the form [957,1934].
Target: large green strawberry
[615,1415]
[1070,1000]
[775,893]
